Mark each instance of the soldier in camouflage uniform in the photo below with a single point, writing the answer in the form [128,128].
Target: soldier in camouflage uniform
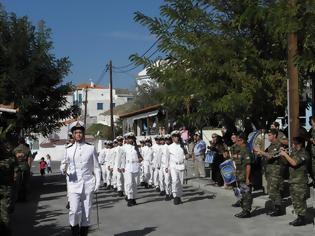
[243,168]
[8,168]
[273,171]
[298,179]
[233,152]
[311,149]
[23,154]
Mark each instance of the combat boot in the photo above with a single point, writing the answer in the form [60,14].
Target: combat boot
[243,214]
[299,221]
[75,230]
[84,230]
[277,211]
[236,204]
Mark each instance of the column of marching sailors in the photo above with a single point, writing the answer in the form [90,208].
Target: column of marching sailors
[159,165]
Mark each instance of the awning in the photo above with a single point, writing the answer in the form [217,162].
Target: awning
[145,115]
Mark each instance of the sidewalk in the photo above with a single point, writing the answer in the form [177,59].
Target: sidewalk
[259,199]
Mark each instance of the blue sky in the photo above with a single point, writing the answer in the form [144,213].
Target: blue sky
[92,32]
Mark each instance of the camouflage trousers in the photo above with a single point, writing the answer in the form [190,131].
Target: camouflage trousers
[298,193]
[247,199]
[274,184]
[5,204]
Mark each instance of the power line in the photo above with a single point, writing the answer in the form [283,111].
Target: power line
[125,66]
[125,71]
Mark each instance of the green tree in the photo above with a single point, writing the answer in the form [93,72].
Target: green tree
[31,76]
[227,58]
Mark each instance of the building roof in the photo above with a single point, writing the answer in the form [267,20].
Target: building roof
[123,91]
[122,109]
[140,111]
[92,86]
[10,108]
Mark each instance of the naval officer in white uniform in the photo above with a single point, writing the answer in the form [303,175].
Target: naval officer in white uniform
[81,166]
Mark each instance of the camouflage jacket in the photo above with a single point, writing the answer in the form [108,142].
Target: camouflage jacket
[22,153]
[244,158]
[298,174]
[8,167]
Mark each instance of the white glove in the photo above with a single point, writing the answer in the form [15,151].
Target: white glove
[97,186]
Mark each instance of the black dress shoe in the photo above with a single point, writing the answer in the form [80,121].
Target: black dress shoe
[75,230]
[120,193]
[126,198]
[68,205]
[142,184]
[108,187]
[129,203]
[299,221]
[146,185]
[157,189]
[162,193]
[134,202]
[168,198]
[177,201]
[105,185]
[115,189]
[150,186]
[84,230]
[243,214]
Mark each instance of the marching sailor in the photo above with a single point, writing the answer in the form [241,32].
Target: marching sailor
[102,161]
[147,154]
[81,166]
[156,164]
[119,165]
[164,175]
[132,168]
[177,166]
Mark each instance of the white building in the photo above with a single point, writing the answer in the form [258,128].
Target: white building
[98,100]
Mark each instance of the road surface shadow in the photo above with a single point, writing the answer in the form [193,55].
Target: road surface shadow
[140,232]
[30,218]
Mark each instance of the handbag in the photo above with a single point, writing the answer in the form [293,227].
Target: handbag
[209,157]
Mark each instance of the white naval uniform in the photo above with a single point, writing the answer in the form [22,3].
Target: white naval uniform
[141,175]
[177,166]
[156,164]
[147,154]
[81,165]
[110,159]
[132,168]
[120,160]
[165,175]
[102,161]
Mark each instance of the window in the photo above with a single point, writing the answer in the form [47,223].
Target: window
[80,98]
[99,106]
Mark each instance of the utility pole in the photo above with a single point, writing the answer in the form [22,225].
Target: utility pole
[293,115]
[111,98]
[85,105]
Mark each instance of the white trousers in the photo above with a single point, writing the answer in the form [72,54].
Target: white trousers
[147,173]
[165,180]
[104,173]
[80,208]
[109,176]
[131,181]
[119,181]
[177,182]
[142,175]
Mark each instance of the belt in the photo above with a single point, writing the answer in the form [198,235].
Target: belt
[179,163]
[132,161]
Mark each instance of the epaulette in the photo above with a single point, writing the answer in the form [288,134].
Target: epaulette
[88,143]
[69,145]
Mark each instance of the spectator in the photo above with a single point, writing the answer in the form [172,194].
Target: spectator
[184,134]
[217,146]
[199,155]
[42,166]
[48,164]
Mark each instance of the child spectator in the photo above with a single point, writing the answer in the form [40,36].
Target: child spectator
[48,164]
[42,166]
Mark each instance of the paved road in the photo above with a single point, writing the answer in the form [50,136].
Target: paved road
[202,213]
